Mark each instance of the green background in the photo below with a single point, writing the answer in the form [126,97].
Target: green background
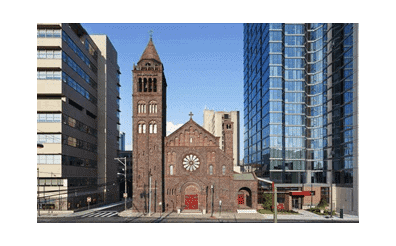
[18,206]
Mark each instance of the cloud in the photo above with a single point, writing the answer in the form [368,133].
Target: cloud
[170,127]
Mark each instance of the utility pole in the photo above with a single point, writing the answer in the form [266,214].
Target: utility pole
[38,191]
[275,206]
[331,197]
[150,194]
[212,199]
[125,178]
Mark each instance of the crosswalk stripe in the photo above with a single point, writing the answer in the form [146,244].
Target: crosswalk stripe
[100,214]
[86,215]
[111,214]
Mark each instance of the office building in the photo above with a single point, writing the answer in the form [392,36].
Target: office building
[214,123]
[301,110]
[77,116]
[122,141]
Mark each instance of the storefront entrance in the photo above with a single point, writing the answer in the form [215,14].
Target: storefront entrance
[296,202]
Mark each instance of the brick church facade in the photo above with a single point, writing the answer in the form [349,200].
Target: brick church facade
[187,170]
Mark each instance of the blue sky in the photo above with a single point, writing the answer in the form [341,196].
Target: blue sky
[203,67]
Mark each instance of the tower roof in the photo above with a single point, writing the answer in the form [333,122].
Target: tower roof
[150,52]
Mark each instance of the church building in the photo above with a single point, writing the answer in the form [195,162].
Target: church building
[187,170]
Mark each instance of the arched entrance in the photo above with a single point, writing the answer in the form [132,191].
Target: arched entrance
[191,197]
[244,198]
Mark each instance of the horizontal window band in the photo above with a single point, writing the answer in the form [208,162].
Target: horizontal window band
[48,26]
[49,112]
[49,69]
[50,96]
[49,48]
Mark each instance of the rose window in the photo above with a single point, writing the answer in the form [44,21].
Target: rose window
[191,162]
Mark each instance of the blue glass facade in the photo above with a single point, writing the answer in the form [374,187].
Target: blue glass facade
[286,100]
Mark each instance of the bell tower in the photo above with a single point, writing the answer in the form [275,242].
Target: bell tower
[149,131]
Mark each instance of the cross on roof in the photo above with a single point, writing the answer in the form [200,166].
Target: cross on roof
[191,115]
[151,34]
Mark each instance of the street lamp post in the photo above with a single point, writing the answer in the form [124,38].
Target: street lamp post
[212,199]
[275,205]
[39,146]
[331,184]
[125,178]
[38,190]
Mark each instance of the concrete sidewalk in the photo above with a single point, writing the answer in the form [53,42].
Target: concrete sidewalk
[302,216]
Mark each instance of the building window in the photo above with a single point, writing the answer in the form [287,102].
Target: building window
[141,108]
[155,85]
[171,170]
[48,75]
[145,85]
[49,118]
[153,108]
[224,170]
[79,53]
[76,68]
[48,33]
[77,87]
[49,138]
[211,170]
[48,54]
[49,159]
[140,86]
[153,127]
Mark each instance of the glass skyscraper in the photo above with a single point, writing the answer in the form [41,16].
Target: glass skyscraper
[300,102]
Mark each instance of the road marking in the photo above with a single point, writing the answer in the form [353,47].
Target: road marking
[99,214]
[111,214]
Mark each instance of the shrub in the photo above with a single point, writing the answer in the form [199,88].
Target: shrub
[323,203]
[267,197]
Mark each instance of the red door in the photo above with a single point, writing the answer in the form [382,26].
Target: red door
[191,201]
[241,199]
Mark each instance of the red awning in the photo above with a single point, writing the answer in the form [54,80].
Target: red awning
[300,193]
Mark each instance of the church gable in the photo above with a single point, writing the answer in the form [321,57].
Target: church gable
[191,134]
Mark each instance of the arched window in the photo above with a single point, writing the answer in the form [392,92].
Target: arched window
[151,128]
[150,85]
[144,128]
[140,85]
[141,108]
[224,170]
[153,107]
[211,170]
[155,128]
[171,170]
[145,85]
[140,128]
[155,85]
